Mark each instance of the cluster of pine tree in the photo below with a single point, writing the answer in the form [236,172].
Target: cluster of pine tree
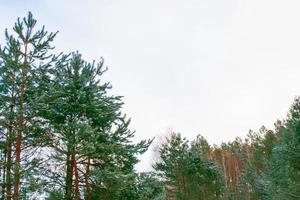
[264,166]
[63,136]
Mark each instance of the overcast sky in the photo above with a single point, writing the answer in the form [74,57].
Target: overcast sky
[211,67]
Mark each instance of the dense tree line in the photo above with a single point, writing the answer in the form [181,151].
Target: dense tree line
[265,165]
[63,136]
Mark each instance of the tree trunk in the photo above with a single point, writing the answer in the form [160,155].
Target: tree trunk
[225,173]
[20,128]
[8,164]
[77,193]
[87,182]
[69,177]
[9,144]
[3,173]
[19,144]
[17,166]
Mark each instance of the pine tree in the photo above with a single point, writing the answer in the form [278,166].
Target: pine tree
[24,64]
[282,180]
[90,136]
[186,171]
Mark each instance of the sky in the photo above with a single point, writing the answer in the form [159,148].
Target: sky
[211,67]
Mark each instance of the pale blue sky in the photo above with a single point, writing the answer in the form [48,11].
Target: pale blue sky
[211,67]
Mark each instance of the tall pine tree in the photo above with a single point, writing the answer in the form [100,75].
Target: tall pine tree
[24,64]
[91,142]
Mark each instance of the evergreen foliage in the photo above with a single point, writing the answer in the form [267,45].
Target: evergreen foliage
[63,136]
[186,172]
[25,60]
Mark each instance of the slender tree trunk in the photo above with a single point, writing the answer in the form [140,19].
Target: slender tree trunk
[8,164]
[17,165]
[3,173]
[87,181]
[9,145]
[20,129]
[69,177]
[77,193]
[18,146]
[225,174]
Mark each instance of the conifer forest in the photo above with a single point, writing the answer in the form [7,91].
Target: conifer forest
[63,135]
